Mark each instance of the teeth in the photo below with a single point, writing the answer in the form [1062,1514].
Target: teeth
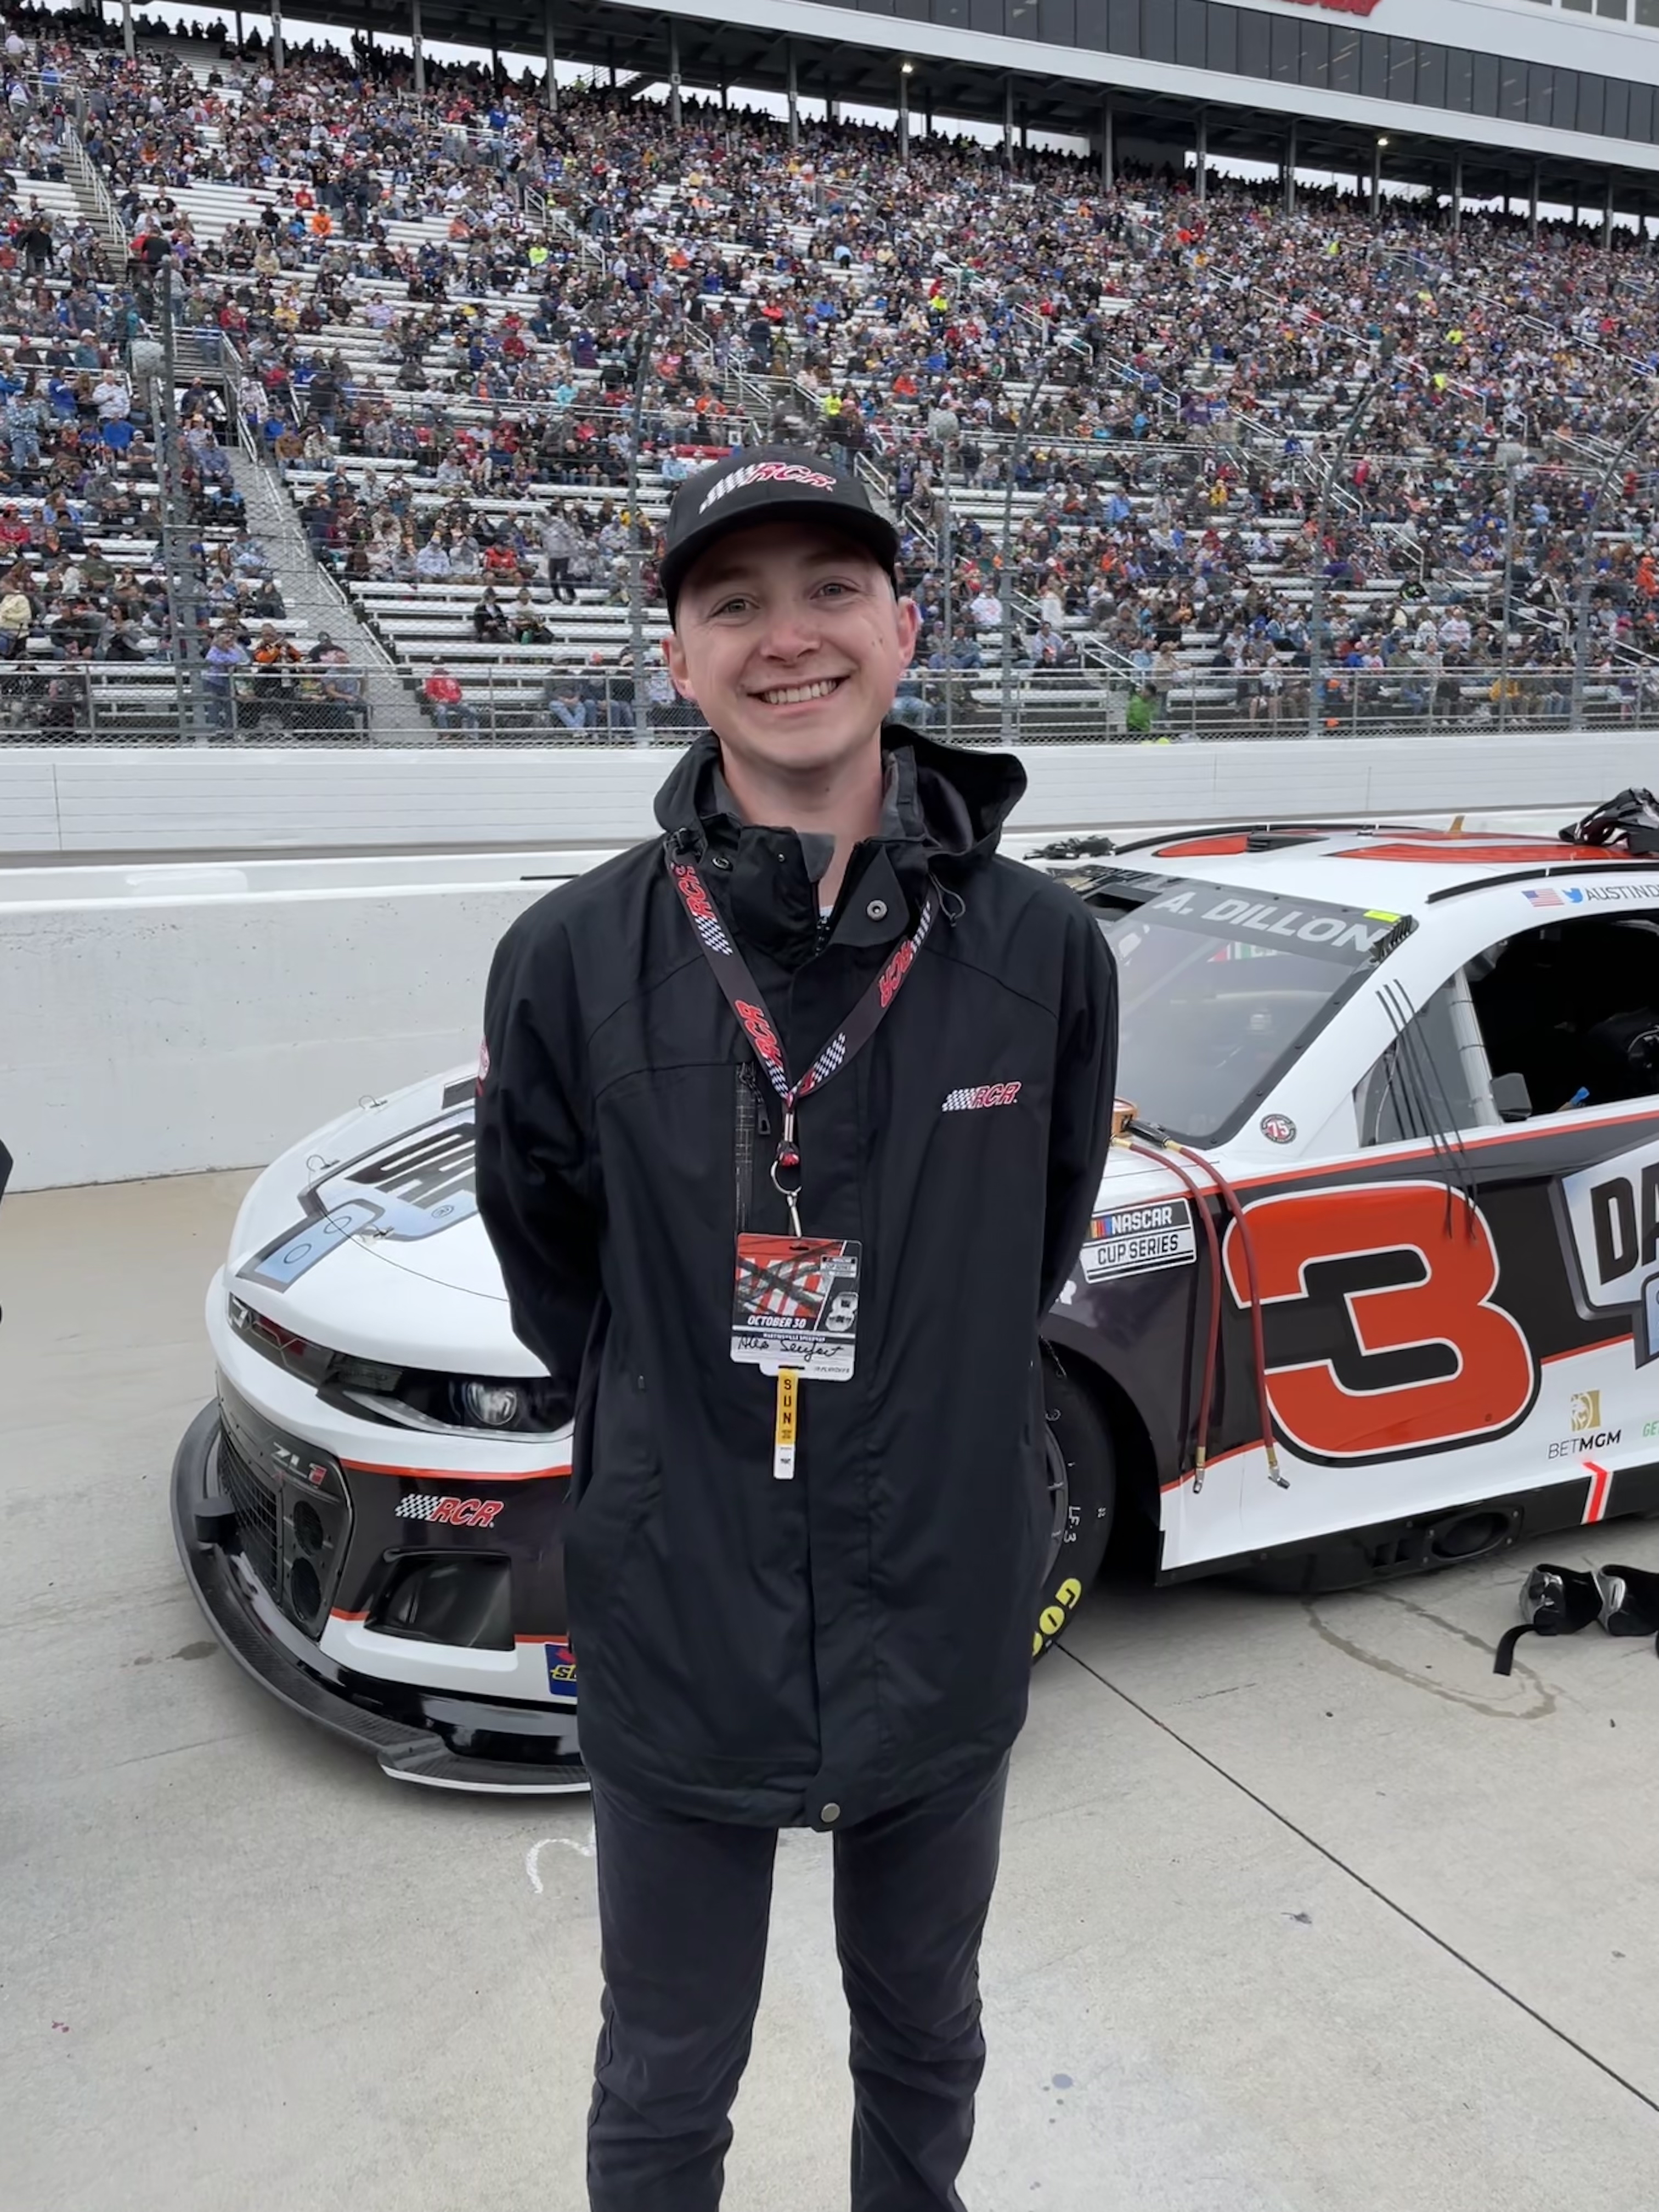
[800,693]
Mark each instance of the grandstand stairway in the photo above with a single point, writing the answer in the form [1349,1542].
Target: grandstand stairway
[313,600]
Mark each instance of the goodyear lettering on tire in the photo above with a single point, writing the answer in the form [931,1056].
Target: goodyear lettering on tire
[1052,1617]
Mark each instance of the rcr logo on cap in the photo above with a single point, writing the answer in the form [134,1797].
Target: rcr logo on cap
[768,472]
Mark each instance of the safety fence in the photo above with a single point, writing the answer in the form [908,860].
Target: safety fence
[330,701]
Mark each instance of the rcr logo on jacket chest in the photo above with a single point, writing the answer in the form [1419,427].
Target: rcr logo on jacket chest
[978,1095]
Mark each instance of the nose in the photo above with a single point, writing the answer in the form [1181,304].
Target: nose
[788,633]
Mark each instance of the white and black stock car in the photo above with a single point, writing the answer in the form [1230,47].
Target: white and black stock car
[1372,1287]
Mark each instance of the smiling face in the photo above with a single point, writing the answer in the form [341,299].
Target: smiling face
[789,638]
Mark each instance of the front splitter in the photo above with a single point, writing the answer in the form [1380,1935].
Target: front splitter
[417,1735]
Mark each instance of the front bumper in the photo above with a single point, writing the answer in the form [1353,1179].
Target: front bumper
[449,1741]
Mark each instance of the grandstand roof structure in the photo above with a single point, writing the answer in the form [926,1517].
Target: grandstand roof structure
[1507,96]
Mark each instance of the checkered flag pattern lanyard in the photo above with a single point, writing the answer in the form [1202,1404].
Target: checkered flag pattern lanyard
[742,994]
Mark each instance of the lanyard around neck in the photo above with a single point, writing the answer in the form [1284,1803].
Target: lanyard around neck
[742,994]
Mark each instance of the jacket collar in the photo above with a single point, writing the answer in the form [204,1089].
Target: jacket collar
[943,810]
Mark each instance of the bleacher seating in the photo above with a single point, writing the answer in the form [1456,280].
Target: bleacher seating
[435,314]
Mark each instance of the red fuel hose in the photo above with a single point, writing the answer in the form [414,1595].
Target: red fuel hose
[1154,1144]
[1258,1345]
[1213,1340]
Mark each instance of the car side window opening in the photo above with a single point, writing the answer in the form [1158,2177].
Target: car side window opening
[1435,1077]
[1539,1023]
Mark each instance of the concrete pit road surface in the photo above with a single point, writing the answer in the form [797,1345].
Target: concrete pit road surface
[1301,1909]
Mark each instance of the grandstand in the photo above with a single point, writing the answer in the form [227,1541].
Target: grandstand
[1175,454]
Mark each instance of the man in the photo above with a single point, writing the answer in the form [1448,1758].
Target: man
[1141,713]
[331,691]
[222,665]
[443,695]
[16,620]
[560,543]
[985,608]
[802,1578]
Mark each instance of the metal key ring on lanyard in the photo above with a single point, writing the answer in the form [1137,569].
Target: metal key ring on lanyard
[788,1157]
[742,994]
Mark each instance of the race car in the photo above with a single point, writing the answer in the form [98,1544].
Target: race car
[1372,1286]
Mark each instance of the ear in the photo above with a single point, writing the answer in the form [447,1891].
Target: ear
[909,622]
[674,653]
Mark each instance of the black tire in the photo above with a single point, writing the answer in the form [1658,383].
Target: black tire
[1083,1490]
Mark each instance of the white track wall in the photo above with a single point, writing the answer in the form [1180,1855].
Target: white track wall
[154,1036]
[160,1020]
[87,799]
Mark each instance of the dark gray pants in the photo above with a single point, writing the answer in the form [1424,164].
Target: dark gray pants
[682,1916]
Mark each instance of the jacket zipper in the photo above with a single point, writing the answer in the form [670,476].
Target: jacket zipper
[751,1117]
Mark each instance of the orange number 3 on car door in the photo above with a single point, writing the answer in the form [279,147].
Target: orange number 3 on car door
[1381,1335]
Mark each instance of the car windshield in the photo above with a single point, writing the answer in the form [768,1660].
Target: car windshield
[1219,990]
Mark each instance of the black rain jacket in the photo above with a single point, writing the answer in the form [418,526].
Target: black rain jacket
[778,1652]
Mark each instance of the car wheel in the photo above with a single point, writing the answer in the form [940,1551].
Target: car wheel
[1082,1493]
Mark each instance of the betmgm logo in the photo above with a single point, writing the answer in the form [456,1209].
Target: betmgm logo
[1612,1231]
[1585,1411]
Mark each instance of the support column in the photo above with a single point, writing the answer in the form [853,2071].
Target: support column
[550,90]
[674,72]
[276,36]
[1008,123]
[905,111]
[240,40]
[927,113]
[418,45]
[126,28]
[1108,148]
[1457,196]
[794,93]
[1606,216]
[831,110]
[1376,180]
[1532,205]
[1287,175]
[1201,148]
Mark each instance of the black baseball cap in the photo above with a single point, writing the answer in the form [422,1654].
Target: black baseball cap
[769,484]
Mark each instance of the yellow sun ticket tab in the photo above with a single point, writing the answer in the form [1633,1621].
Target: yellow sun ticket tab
[783,1442]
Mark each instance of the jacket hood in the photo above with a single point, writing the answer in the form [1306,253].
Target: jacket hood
[949,800]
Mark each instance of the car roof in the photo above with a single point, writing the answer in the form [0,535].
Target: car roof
[1383,867]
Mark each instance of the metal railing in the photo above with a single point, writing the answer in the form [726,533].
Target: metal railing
[569,702]
[90,179]
[281,521]
[47,700]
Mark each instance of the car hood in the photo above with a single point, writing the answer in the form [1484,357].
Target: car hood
[365,1236]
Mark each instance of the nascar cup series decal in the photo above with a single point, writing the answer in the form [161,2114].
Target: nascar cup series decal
[1612,1227]
[1131,1240]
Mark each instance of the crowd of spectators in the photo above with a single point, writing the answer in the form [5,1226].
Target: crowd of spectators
[83,576]
[439,311]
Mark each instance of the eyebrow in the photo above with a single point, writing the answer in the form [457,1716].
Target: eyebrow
[744,570]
